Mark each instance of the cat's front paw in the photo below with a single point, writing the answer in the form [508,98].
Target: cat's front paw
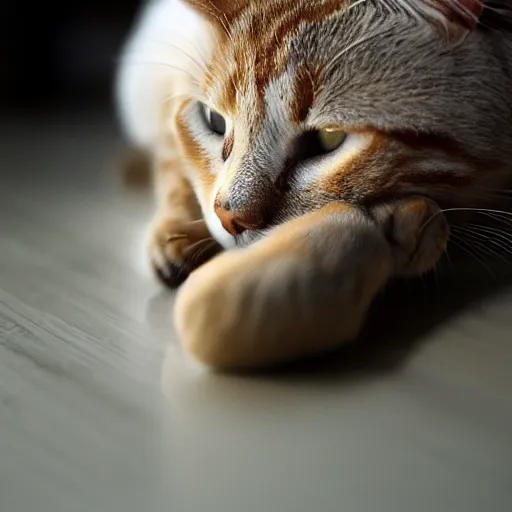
[302,290]
[418,232]
[177,247]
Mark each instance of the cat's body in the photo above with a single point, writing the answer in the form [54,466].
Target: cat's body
[259,111]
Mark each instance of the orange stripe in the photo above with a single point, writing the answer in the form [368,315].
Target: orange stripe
[267,27]
[306,81]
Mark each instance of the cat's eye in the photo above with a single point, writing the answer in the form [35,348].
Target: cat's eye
[215,122]
[331,138]
[316,143]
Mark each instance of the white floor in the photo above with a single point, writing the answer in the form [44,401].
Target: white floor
[100,411]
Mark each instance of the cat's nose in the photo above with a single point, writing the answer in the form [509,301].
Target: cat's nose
[235,223]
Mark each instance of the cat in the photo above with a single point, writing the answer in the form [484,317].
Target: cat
[259,112]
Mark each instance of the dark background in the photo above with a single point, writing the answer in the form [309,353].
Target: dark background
[57,54]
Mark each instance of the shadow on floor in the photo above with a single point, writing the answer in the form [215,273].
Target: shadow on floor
[402,317]
[399,323]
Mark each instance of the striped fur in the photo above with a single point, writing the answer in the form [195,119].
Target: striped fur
[424,113]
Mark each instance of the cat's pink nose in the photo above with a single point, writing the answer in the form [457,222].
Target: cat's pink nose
[233,223]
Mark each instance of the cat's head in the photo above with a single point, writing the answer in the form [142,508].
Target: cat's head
[302,102]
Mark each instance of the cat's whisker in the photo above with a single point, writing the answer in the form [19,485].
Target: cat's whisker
[222,19]
[198,50]
[355,4]
[193,248]
[481,211]
[463,245]
[200,65]
[211,251]
[190,94]
[499,14]
[487,246]
[198,222]
[355,44]
[496,215]
[203,251]
[195,47]
[400,5]
[499,218]
[502,10]
[128,60]
[481,242]
[503,233]
[501,246]
[174,238]
[495,232]
[175,96]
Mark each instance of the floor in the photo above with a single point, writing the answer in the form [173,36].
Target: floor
[100,410]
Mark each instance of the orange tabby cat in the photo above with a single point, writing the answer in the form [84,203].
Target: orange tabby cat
[266,119]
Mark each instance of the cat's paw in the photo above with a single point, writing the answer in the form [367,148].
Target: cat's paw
[178,247]
[306,287]
[418,232]
[302,290]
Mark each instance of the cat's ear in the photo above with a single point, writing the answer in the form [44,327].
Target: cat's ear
[218,11]
[457,17]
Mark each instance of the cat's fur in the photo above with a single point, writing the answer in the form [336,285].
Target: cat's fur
[305,288]
[422,87]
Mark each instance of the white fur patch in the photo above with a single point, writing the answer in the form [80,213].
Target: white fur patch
[354,145]
[215,226]
[168,44]
[218,232]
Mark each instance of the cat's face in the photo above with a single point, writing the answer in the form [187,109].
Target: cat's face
[305,102]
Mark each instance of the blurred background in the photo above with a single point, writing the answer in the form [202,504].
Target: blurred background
[57,55]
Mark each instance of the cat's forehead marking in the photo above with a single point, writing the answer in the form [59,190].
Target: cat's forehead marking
[256,49]
[305,84]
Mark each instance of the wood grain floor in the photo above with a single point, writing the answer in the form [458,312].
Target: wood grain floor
[100,411]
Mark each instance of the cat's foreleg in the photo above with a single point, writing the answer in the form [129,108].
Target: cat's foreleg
[305,288]
[179,240]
